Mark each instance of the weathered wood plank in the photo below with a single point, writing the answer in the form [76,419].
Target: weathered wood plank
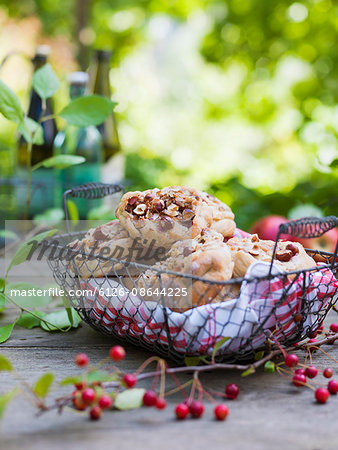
[269,414]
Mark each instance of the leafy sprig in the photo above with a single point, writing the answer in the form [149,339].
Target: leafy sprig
[81,112]
[106,386]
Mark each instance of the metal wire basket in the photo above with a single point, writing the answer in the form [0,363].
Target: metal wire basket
[249,314]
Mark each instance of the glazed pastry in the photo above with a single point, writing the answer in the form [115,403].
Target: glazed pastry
[173,213]
[110,240]
[290,256]
[205,256]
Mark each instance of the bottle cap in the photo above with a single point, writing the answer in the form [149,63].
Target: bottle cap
[78,78]
[42,50]
[103,54]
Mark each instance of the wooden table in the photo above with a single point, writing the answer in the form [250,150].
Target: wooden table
[269,414]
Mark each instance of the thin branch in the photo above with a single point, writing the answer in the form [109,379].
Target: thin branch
[64,401]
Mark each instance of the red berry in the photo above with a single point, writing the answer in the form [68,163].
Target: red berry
[117,353]
[105,402]
[196,409]
[322,395]
[328,373]
[81,359]
[149,398]
[88,396]
[333,387]
[181,411]
[334,327]
[311,372]
[300,372]
[95,413]
[221,411]
[299,380]
[321,327]
[231,391]
[129,380]
[80,385]
[291,360]
[77,401]
[161,403]
[312,341]
[313,334]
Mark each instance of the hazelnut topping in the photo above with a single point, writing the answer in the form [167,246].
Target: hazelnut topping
[140,209]
[133,200]
[284,255]
[293,249]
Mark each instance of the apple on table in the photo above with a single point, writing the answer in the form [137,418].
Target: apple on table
[267,228]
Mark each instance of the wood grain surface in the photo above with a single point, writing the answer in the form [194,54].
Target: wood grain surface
[269,413]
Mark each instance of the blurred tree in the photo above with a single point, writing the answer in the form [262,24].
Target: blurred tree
[237,94]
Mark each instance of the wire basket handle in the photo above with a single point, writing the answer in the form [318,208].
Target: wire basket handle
[90,191]
[307,227]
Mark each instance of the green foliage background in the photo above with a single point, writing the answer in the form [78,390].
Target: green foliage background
[237,96]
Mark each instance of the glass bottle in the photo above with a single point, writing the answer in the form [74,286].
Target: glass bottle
[100,85]
[86,142]
[42,184]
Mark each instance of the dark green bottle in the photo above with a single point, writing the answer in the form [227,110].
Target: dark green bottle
[42,192]
[100,85]
[85,142]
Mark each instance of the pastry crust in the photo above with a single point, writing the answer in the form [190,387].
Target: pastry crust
[111,240]
[173,213]
[205,256]
[290,256]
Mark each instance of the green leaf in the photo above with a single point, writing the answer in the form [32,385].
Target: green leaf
[2,301]
[102,213]
[43,385]
[10,106]
[248,372]
[5,399]
[8,235]
[68,309]
[45,82]
[73,211]
[259,355]
[218,345]
[51,216]
[85,111]
[334,164]
[5,364]
[95,375]
[70,380]
[29,321]
[305,210]
[59,319]
[269,367]
[129,399]
[192,360]
[2,284]
[5,332]
[25,249]
[31,131]
[61,161]
[27,295]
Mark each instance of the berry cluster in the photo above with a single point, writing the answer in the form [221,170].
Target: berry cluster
[91,387]
[300,375]
[196,408]
[92,395]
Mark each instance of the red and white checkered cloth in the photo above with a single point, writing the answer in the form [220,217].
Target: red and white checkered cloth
[196,331]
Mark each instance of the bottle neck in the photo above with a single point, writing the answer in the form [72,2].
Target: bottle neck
[39,61]
[101,81]
[77,90]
